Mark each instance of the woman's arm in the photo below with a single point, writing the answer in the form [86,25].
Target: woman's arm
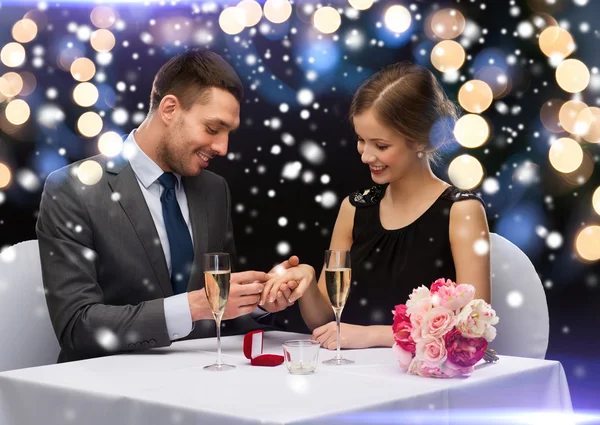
[314,305]
[470,243]
[354,336]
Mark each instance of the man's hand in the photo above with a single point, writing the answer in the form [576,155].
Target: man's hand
[244,295]
[281,301]
[300,278]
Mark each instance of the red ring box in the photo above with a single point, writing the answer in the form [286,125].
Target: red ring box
[253,350]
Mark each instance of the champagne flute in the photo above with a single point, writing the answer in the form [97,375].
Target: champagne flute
[217,275]
[337,277]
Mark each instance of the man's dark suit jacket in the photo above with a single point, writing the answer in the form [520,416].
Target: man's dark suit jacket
[103,265]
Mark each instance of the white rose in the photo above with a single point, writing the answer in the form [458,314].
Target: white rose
[417,300]
[475,318]
[490,333]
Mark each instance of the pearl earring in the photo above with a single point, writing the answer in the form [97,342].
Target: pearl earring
[420,154]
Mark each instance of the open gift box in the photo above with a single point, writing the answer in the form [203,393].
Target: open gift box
[253,350]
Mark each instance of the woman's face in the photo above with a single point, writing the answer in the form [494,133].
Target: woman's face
[388,154]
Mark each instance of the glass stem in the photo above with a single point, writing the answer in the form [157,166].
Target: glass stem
[338,315]
[218,322]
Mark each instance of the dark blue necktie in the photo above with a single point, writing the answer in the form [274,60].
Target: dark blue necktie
[180,242]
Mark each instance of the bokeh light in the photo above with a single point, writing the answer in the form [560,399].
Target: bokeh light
[587,243]
[361,4]
[573,118]
[17,112]
[277,11]
[327,20]
[582,174]
[565,155]
[89,124]
[39,17]
[549,115]
[83,69]
[253,11]
[232,20]
[110,144]
[465,172]
[29,83]
[596,200]
[89,172]
[85,94]
[103,17]
[447,55]
[471,131]
[11,84]
[448,23]
[397,18]
[556,42]
[12,55]
[68,56]
[475,96]
[102,40]
[24,31]
[5,176]
[593,133]
[496,79]
[572,76]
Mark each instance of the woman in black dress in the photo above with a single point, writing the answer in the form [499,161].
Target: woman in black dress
[409,229]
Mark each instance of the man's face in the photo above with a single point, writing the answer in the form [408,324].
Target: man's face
[195,136]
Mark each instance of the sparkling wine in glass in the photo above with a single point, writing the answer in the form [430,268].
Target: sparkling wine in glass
[217,278]
[338,275]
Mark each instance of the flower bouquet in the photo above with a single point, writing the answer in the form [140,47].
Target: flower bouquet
[443,332]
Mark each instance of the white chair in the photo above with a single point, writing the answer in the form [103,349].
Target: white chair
[28,338]
[520,302]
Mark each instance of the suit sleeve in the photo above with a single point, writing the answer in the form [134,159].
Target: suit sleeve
[83,324]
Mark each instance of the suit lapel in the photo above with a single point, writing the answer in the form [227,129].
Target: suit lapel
[122,180]
[197,201]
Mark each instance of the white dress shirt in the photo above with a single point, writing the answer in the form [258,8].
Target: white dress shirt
[177,309]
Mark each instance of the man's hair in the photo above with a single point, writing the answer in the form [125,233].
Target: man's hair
[189,75]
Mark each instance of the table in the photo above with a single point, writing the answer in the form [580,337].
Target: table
[168,386]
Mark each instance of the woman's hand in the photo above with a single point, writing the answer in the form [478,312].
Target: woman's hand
[281,301]
[352,336]
[297,279]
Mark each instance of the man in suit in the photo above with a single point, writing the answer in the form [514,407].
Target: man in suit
[122,255]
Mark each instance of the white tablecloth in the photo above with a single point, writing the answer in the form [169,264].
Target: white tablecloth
[168,386]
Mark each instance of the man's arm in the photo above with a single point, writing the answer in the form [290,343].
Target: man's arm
[82,322]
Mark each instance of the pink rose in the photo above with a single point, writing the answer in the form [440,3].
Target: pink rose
[448,370]
[433,372]
[402,329]
[417,315]
[404,357]
[437,322]
[464,295]
[400,313]
[435,286]
[416,321]
[432,351]
[453,297]
[451,370]
[462,351]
